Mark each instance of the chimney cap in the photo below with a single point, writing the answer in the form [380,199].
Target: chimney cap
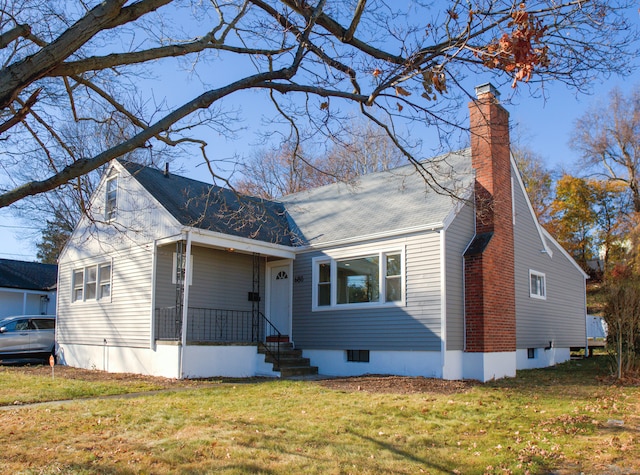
[487,88]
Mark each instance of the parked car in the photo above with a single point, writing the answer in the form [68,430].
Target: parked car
[27,336]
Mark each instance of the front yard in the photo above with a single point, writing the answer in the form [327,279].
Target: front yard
[565,420]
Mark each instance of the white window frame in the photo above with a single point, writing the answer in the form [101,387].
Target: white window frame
[382,280]
[111,198]
[98,283]
[91,284]
[541,292]
[174,269]
[102,282]
[75,287]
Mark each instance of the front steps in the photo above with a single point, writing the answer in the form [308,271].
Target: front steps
[292,362]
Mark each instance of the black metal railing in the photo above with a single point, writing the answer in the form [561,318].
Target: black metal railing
[210,325]
[168,324]
[276,336]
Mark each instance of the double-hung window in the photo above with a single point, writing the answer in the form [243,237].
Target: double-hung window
[537,285]
[370,279]
[104,276]
[91,283]
[324,284]
[78,285]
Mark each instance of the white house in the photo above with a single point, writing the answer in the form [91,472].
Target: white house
[27,288]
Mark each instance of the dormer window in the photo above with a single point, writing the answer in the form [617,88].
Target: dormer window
[111,196]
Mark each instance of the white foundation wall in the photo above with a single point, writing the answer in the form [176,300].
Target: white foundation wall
[230,361]
[161,362]
[488,366]
[542,357]
[400,363]
[164,361]
[453,368]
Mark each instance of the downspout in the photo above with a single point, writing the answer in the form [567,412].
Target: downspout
[185,302]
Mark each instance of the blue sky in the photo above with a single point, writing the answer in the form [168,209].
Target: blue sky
[544,125]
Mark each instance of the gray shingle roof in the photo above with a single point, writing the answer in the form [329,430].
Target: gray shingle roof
[27,275]
[205,206]
[383,202]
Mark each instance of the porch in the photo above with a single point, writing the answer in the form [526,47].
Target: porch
[214,326]
[209,295]
[223,327]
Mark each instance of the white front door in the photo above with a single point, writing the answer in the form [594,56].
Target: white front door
[280,298]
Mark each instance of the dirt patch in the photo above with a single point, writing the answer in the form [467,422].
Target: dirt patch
[398,385]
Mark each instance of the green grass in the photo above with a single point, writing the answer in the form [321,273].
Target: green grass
[32,384]
[558,420]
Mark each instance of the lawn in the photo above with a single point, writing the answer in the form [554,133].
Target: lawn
[564,420]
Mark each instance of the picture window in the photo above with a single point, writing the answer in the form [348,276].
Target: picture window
[371,279]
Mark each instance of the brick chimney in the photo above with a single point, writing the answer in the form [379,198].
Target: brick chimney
[490,320]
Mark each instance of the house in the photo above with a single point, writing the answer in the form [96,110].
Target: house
[27,288]
[186,279]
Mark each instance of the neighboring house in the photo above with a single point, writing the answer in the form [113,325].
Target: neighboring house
[27,288]
[381,276]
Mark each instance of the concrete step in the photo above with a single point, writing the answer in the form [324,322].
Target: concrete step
[284,350]
[274,347]
[298,371]
[291,362]
[288,362]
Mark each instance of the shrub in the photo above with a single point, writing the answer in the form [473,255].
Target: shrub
[622,314]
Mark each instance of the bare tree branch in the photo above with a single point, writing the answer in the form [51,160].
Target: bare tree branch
[66,63]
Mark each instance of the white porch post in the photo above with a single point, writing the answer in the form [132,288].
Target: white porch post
[185,299]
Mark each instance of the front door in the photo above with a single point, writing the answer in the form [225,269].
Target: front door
[280,298]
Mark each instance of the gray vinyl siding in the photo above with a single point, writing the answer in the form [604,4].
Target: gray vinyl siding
[561,317]
[221,279]
[414,326]
[122,320]
[457,237]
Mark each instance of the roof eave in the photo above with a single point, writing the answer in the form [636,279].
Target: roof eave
[437,226]
[230,242]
